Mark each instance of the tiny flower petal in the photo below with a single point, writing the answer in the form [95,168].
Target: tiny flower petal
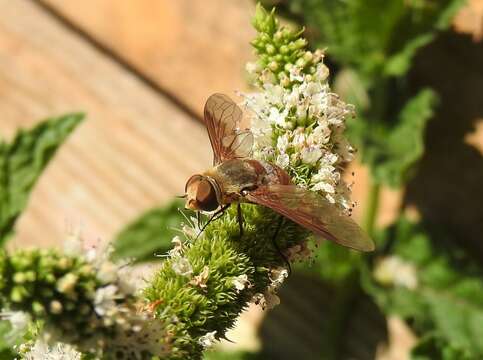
[207,340]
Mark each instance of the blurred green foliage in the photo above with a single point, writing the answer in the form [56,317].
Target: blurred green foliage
[448,300]
[150,234]
[373,44]
[22,162]
[392,152]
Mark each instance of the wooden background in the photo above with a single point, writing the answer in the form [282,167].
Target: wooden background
[141,70]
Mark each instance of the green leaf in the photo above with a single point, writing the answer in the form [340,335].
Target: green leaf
[150,234]
[399,63]
[448,299]
[23,161]
[4,329]
[6,351]
[392,153]
[431,347]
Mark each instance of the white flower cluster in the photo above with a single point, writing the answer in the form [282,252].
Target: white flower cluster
[392,270]
[60,351]
[299,125]
[19,322]
[120,326]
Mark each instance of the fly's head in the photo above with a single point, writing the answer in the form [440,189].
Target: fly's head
[202,193]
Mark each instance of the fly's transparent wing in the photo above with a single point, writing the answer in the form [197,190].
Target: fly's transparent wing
[314,212]
[222,117]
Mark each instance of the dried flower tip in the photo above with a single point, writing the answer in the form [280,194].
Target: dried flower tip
[182,266]
[207,340]
[201,279]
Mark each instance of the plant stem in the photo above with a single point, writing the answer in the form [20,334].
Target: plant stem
[372,207]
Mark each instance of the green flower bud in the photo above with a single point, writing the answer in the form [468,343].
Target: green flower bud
[55,307]
[270,49]
[273,66]
[18,294]
[19,278]
[37,308]
[67,283]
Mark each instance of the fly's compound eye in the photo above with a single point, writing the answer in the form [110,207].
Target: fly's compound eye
[206,196]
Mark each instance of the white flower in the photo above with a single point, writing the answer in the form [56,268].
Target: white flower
[207,340]
[107,272]
[321,72]
[295,74]
[252,67]
[73,243]
[182,266]
[19,322]
[392,270]
[240,282]
[282,143]
[105,300]
[299,139]
[310,155]
[283,161]
[59,351]
[276,117]
[274,93]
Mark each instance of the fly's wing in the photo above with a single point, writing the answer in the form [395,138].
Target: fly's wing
[313,212]
[222,117]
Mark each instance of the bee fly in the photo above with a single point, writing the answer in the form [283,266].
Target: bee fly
[236,178]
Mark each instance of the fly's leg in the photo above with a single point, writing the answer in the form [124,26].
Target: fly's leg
[198,219]
[240,219]
[219,213]
[275,245]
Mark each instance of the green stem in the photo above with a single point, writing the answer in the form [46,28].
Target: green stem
[372,207]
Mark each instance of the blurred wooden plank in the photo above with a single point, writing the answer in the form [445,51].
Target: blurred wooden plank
[189,48]
[135,150]
[469,19]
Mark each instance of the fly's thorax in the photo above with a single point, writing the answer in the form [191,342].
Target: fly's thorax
[233,176]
